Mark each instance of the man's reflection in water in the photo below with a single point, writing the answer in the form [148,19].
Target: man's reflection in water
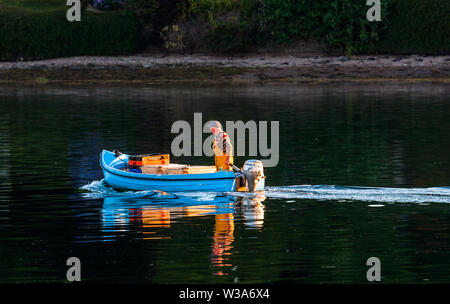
[252,210]
[223,238]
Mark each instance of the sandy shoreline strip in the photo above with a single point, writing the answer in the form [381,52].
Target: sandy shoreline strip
[161,68]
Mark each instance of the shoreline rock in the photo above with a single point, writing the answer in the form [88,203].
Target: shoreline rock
[203,69]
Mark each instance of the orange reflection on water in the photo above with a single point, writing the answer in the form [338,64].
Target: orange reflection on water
[155,218]
[199,210]
[223,238]
[150,217]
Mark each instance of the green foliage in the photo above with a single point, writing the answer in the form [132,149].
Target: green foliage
[339,23]
[223,25]
[173,39]
[84,3]
[418,27]
[37,5]
[144,9]
[33,5]
[231,37]
[155,15]
[37,35]
[213,8]
[38,28]
[280,20]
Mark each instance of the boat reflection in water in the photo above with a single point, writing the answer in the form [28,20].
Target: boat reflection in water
[152,214]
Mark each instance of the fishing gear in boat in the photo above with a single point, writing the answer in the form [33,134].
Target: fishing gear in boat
[136,162]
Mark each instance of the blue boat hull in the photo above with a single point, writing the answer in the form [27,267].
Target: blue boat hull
[222,181]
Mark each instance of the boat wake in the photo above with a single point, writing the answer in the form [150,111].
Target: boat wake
[99,189]
[367,194]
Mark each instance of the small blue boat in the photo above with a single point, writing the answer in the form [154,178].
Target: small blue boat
[116,175]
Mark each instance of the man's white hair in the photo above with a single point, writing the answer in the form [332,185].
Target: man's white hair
[214,124]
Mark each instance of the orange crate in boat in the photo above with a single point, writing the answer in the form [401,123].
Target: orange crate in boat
[162,159]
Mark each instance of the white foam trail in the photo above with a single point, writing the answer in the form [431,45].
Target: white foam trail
[99,189]
[370,194]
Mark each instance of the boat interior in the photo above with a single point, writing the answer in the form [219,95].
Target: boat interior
[176,169]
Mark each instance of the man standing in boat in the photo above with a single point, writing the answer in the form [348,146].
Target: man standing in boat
[223,150]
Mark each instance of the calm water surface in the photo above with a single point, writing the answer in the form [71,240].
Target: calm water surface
[364,171]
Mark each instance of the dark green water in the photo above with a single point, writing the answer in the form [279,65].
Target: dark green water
[364,172]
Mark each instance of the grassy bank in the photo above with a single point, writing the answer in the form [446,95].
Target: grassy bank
[39,29]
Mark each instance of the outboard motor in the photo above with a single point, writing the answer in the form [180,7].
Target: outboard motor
[254,174]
